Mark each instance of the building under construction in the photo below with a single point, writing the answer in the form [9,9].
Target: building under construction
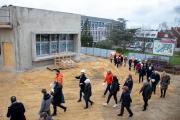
[31,37]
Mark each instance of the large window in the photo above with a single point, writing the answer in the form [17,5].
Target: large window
[48,44]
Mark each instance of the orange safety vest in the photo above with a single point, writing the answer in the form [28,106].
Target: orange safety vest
[59,78]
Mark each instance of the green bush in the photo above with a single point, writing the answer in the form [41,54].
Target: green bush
[105,44]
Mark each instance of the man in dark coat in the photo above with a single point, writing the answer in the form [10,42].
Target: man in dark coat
[146,93]
[142,73]
[155,78]
[87,93]
[58,98]
[82,78]
[16,110]
[129,82]
[130,63]
[149,71]
[113,90]
[135,63]
[125,101]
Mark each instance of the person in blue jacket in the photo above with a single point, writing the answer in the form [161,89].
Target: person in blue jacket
[125,101]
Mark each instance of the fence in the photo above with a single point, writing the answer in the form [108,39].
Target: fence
[96,51]
[106,53]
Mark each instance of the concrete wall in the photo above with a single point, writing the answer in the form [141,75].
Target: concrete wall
[27,22]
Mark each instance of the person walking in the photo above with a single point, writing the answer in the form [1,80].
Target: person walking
[113,91]
[118,61]
[135,63]
[58,98]
[16,110]
[129,82]
[165,81]
[146,91]
[115,60]
[125,101]
[108,80]
[142,73]
[155,78]
[130,63]
[82,78]
[125,61]
[87,93]
[59,77]
[46,102]
[149,72]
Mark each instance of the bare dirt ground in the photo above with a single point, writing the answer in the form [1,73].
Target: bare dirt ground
[27,86]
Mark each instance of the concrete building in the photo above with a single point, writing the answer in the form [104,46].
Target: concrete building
[100,27]
[30,37]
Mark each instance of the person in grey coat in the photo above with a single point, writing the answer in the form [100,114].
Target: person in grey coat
[165,81]
[46,102]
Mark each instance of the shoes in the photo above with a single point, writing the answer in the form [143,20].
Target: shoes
[79,100]
[144,110]
[54,114]
[85,107]
[92,103]
[131,115]
[65,109]
[120,114]
[105,104]
[115,105]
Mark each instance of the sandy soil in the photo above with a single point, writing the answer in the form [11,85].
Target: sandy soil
[27,86]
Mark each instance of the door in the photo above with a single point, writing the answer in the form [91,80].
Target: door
[8,56]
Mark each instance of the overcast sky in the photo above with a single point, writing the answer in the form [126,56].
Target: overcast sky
[138,12]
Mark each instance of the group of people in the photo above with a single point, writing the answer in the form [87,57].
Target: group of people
[118,59]
[56,97]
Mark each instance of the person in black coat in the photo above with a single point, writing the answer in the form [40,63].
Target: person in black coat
[115,60]
[113,90]
[57,98]
[82,78]
[146,93]
[16,110]
[149,72]
[129,82]
[125,101]
[155,78]
[142,73]
[130,63]
[87,93]
[135,63]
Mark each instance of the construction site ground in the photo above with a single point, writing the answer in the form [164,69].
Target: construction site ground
[27,87]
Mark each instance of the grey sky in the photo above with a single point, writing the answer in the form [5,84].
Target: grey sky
[137,12]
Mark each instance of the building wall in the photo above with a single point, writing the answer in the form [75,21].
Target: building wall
[28,22]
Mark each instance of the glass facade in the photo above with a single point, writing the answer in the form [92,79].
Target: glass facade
[48,44]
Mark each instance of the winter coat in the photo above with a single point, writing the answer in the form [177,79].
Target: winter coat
[87,90]
[46,102]
[126,98]
[142,71]
[165,81]
[149,72]
[114,88]
[59,78]
[118,60]
[109,78]
[81,82]
[16,111]
[156,77]
[58,96]
[146,91]
[130,62]
[129,84]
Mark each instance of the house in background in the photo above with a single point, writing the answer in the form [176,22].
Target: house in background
[30,37]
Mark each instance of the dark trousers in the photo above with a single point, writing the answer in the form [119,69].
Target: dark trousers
[87,100]
[109,97]
[107,89]
[145,103]
[127,108]
[117,65]
[163,92]
[55,108]
[80,93]
[141,78]
[154,87]
[129,67]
